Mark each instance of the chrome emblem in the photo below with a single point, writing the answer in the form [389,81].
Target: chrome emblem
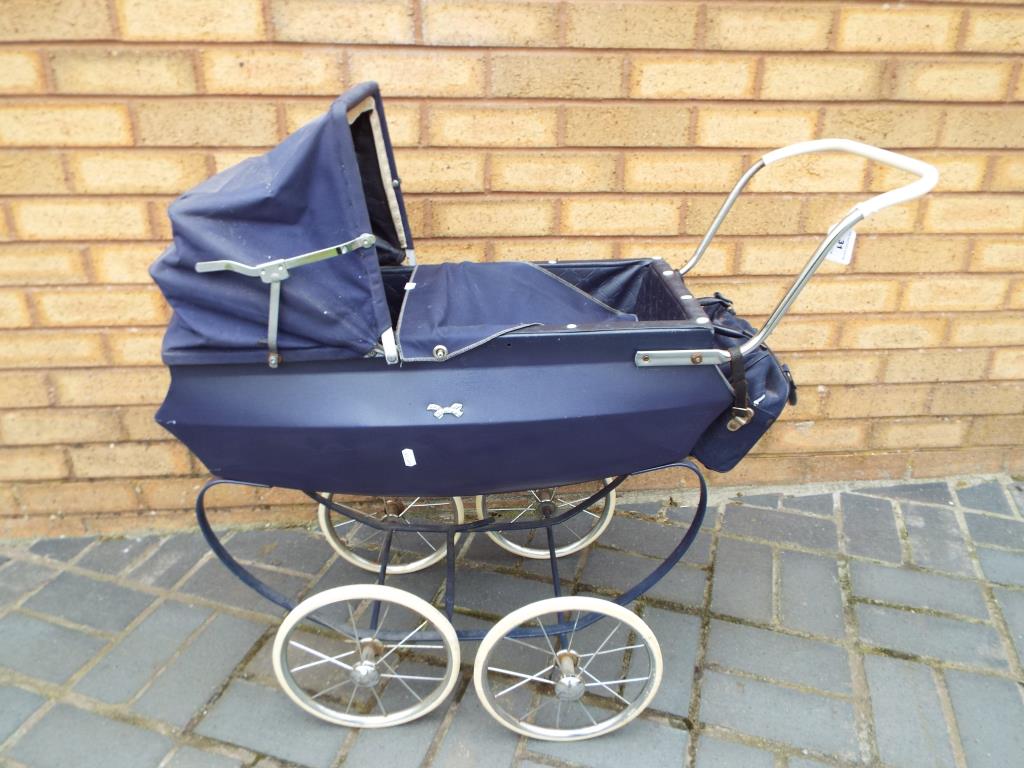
[455,409]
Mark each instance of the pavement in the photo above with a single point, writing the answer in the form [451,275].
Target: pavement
[864,624]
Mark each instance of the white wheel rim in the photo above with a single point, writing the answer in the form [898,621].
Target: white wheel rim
[600,523]
[637,637]
[332,530]
[440,684]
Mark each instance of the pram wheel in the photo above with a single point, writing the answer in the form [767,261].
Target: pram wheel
[366,656]
[411,551]
[571,536]
[568,668]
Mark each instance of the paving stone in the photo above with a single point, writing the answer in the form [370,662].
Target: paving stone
[679,637]
[4,559]
[926,493]
[811,598]
[464,744]
[128,667]
[767,500]
[481,548]
[818,503]
[1017,494]
[63,549]
[988,712]
[921,634]
[803,762]
[904,586]
[783,527]
[19,578]
[781,714]
[742,584]
[869,527]
[265,720]
[909,724]
[111,556]
[67,736]
[165,567]
[988,497]
[297,550]
[497,593]
[683,514]
[40,649]
[16,705]
[646,508]
[646,538]
[98,604]
[401,747]
[423,584]
[935,539]
[782,657]
[215,582]
[715,753]
[1012,605]
[1005,532]
[1002,567]
[189,757]
[619,571]
[642,742]
[567,567]
[189,681]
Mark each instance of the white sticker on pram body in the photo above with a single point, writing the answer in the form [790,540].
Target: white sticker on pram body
[409,457]
[842,251]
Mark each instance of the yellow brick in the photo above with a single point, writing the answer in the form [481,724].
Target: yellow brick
[913,365]
[815,436]
[863,402]
[55,20]
[813,173]
[998,31]
[403,120]
[441,251]
[957,172]
[681,171]
[762,127]
[620,216]
[883,125]
[123,262]
[353,21]
[1015,300]
[48,426]
[1008,174]
[632,126]
[998,255]
[827,295]
[32,464]
[20,389]
[894,28]
[130,460]
[767,27]
[834,368]
[887,333]
[111,386]
[540,249]
[21,72]
[419,73]
[1004,329]
[781,256]
[264,71]
[911,255]
[630,25]
[14,312]
[919,433]
[558,75]
[952,80]
[191,20]
[553,172]
[209,122]
[101,306]
[471,22]
[822,211]
[975,213]
[24,264]
[75,498]
[1008,364]
[137,171]
[80,219]
[428,170]
[416,212]
[692,76]
[48,349]
[27,172]
[936,463]
[752,297]
[455,126]
[139,424]
[997,430]
[45,125]
[134,346]
[967,399]
[492,218]
[228,158]
[92,70]
[834,78]
[954,294]
[752,214]
[993,128]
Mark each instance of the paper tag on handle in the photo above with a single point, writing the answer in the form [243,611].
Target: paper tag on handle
[842,251]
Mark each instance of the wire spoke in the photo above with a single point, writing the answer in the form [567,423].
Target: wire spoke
[622,681]
[411,505]
[352,618]
[586,711]
[602,645]
[330,688]
[399,678]
[383,618]
[524,681]
[541,625]
[558,714]
[432,547]
[351,698]
[402,641]
[614,693]
[522,675]
[317,663]
[322,656]
[379,702]
[538,708]
[612,650]
[573,633]
[528,645]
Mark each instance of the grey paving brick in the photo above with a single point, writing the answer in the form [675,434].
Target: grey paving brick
[422,583]
[780,714]
[646,508]
[62,549]
[67,736]
[1017,494]
[646,538]
[265,720]
[715,753]
[804,762]
[1005,532]
[869,527]
[190,757]
[16,704]
[920,634]
[987,496]
[642,742]
[818,503]
[99,604]
[909,724]
[935,539]
[926,493]
[904,586]
[128,667]
[402,747]
[767,500]
[683,513]
[19,578]
[619,571]
[1002,567]
[189,681]
[780,526]
[482,549]
[497,593]
[165,567]
[781,657]
[463,746]
[567,567]
[988,713]
[679,635]
[1012,605]
[4,559]
[294,549]
[215,582]
[811,598]
[40,649]
[743,580]
[111,556]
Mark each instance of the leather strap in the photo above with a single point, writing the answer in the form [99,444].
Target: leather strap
[742,413]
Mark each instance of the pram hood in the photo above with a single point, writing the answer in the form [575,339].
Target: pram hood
[329,182]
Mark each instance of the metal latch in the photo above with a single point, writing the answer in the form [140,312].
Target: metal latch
[740,418]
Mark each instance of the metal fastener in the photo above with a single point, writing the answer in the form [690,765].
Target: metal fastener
[645,358]
[696,358]
[440,352]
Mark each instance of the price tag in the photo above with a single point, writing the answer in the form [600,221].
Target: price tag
[842,251]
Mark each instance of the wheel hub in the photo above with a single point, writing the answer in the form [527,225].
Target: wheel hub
[570,688]
[364,674]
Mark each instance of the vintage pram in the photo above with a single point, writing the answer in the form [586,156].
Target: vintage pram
[308,350]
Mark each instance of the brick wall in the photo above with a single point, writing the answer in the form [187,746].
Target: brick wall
[525,130]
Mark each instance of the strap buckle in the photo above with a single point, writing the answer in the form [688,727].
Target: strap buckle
[740,418]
